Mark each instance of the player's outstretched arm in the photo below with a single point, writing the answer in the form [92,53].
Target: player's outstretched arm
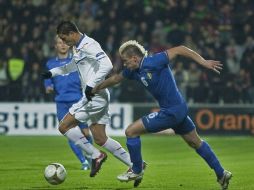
[216,66]
[111,81]
[68,68]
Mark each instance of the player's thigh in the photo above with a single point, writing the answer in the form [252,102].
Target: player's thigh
[67,123]
[159,121]
[99,133]
[185,127]
[135,129]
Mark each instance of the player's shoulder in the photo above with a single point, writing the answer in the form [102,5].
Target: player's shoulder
[158,55]
[51,61]
[156,61]
[87,42]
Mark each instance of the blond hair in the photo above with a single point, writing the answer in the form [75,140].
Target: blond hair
[132,43]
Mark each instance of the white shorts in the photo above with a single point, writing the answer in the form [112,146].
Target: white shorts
[95,111]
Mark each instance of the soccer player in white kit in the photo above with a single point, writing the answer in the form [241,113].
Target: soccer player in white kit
[93,65]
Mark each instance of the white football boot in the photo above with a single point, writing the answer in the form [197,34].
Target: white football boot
[224,181]
[131,176]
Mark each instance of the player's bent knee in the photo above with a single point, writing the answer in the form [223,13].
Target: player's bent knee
[129,132]
[100,141]
[63,128]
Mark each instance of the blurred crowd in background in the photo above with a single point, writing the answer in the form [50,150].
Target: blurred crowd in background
[220,30]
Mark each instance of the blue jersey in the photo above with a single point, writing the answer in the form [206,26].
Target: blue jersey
[155,74]
[66,87]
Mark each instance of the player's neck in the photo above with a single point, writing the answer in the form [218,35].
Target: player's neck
[79,38]
[62,56]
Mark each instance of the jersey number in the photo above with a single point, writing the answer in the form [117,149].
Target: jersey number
[152,115]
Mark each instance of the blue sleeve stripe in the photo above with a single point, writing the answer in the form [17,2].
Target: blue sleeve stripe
[100,58]
[99,54]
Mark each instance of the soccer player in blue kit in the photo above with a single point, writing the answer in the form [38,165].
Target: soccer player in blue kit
[68,91]
[154,72]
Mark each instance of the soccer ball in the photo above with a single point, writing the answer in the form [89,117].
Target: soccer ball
[55,173]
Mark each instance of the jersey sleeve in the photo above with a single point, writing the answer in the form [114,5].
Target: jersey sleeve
[104,64]
[160,59]
[68,68]
[128,74]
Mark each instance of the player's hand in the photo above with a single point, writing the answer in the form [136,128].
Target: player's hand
[216,66]
[95,89]
[46,74]
[49,90]
[89,93]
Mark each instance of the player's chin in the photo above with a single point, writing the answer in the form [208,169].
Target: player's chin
[131,68]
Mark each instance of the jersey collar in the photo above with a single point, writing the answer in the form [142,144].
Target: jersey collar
[141,62]
[68,57]
[81,42]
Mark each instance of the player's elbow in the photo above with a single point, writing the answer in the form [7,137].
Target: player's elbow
[175,51]
[179,49]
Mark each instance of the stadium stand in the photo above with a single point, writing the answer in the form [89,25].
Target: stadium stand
[222,30]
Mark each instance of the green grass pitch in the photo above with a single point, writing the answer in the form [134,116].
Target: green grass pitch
[171,164]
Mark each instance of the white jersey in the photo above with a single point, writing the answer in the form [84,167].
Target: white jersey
[89,60]
[93,65]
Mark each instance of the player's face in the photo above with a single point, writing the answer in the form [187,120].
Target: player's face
[60,46]
[131,62]
[68,39]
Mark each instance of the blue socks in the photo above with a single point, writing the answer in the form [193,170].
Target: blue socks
[208,155]
[134,147]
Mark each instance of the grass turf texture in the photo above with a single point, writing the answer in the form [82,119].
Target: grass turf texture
[171,164]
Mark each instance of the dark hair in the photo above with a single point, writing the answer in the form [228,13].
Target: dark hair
[65,27]
[132,50]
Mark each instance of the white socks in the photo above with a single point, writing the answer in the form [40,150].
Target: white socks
[117,150]
[75,135]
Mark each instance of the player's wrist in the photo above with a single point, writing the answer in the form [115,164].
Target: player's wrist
[88,92]
[46,74]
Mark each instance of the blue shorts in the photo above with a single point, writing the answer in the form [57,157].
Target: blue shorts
[162,120]
[62,108]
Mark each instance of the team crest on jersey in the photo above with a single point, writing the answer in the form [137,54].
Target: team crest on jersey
[149,75]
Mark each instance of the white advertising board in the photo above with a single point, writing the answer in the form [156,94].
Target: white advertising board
[40,119]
